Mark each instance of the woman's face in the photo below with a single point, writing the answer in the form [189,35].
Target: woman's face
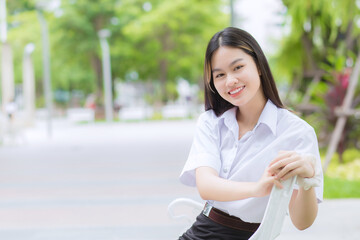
[236,77]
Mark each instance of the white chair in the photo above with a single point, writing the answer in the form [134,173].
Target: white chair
[273,219]
[193,207]
[275,212]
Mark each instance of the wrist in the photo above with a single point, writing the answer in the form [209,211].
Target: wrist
[259,189]
[255,189]
[313,173]
[315,180]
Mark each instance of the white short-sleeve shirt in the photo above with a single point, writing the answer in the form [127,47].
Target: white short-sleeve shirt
[216,145]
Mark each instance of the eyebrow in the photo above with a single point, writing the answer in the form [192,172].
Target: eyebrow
[232,63]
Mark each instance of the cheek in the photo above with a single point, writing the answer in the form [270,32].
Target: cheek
[218,86]
[254,80]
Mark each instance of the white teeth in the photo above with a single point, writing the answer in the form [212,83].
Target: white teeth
[236,90]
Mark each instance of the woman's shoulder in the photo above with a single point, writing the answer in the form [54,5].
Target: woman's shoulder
[208,116]
[290,120]
[208,119]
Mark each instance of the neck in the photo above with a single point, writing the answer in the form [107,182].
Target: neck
[248,115]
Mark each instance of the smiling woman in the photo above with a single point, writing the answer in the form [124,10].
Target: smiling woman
[246,142]
[237,80]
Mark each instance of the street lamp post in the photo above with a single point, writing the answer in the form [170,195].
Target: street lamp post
[3,27]
[7,66]
[106,65]
[29,83]
[46,68]
[232,13]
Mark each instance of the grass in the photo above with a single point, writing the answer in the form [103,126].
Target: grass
[341,188]
[343,180]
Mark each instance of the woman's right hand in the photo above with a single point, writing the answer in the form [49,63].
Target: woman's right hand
[264,185]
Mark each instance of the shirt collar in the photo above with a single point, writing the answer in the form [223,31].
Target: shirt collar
[229,118]
[269,116]
[229,114]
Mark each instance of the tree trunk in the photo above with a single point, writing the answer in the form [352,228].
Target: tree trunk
[97,67]
[98,24]
[310,64]
[295,84]
[163,78]
[165,42]
[341,146]
[349,38]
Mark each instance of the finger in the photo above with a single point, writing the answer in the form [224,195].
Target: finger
[289,175]
[281,155]
[288,168]
[294,157]
[277,167]
[274,172]
[271,174]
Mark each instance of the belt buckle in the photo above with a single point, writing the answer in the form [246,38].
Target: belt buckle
[207,209]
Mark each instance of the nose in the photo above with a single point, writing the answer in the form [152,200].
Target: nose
[231,80]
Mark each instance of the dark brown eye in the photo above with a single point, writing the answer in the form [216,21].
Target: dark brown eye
[237,68]
[219,75]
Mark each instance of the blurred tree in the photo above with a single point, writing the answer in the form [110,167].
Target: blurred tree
[154,41]
[168,39]
[318,31]
[320,46]
[76,42]
[18,6]
[24,28]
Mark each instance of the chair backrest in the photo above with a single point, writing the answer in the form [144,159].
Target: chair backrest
[273,219]
[275,212]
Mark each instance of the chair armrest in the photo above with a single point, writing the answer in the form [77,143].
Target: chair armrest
[275,212]
[195,205]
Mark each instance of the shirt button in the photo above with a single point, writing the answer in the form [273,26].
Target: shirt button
[225,170]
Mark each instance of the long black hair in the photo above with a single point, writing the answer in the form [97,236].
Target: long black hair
[237,38]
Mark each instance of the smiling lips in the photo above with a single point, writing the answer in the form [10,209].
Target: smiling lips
[235,92]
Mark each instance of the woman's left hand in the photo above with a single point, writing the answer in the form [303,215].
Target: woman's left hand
[289,163]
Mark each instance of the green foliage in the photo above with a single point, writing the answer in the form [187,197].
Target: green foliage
[351,155]
[318,93]
[343,180]
[159,40]
[348,171]
[169,41]
[286,66]
[157,116]
[24,28]
[76,42]
[171,91]
[321,34]
[341,188]
[15,7]
[323,38]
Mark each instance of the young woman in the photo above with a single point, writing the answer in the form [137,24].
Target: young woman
[246,142]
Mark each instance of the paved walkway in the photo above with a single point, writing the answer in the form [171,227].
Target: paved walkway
[114,181]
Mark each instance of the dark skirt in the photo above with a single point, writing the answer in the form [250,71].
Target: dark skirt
[206,229]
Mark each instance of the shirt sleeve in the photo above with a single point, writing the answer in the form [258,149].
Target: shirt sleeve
[204,150]
[308,144]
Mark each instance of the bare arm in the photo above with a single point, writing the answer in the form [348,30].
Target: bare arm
[303,204]
[303,208]
[213,187]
